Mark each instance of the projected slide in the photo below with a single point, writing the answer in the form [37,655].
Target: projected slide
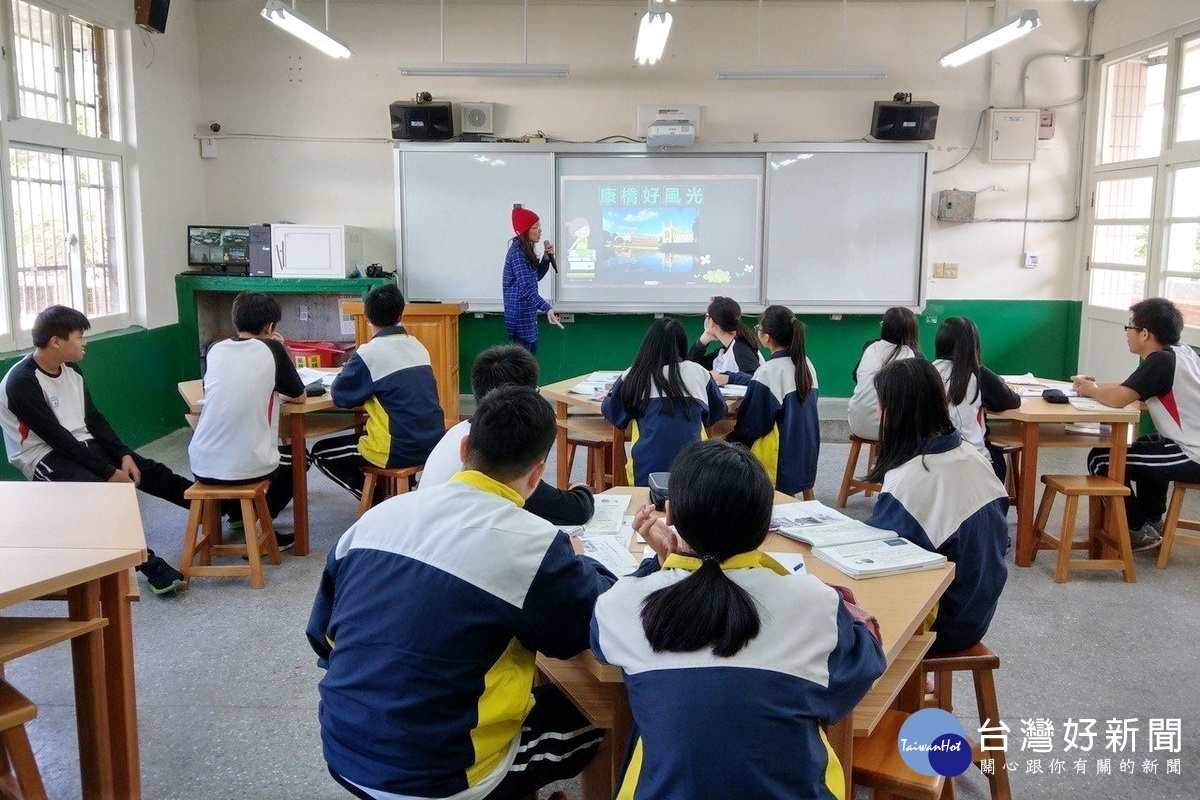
[685,232]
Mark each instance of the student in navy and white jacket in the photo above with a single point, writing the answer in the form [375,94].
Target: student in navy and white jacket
[1168,380]
[738,358]
[429,613]
[667,401]
[897,340]
[940,494]
[778,417]
[732,662]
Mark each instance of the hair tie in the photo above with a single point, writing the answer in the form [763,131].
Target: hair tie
[710,559]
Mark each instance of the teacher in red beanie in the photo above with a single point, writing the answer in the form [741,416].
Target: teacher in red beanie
[522,271]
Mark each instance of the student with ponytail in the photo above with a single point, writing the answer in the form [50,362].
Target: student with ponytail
[940,495]
[663,400]
[971,388]
[778,417]
[897,340]
[738,357]
[725,645]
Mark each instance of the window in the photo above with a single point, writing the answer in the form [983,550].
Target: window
[1145,203]
[65,173]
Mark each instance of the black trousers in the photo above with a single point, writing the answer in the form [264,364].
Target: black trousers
[157,479]
[1152,463]
[557,742]
[279,493]
[530,346]
[339,459]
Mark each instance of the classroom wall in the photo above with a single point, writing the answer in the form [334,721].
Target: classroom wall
[1124,22]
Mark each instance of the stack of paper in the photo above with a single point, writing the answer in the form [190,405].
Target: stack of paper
[1021,380]
[602,539]
[1088,404]
[819,525]
[879,558]
[309,375]
[596,383]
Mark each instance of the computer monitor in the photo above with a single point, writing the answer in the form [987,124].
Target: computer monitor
[221,247]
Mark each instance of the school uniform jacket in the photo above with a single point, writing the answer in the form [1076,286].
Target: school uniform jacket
[392,378]
[428,615]
[781,430]
[864,403]
[949,500]
[747,726]
[42,413]
[1169,382]
[521,299]
[658,432]
[987,393]
[739,360]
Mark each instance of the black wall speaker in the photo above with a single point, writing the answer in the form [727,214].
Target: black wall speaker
[914,121]
[421,121]
[151,15]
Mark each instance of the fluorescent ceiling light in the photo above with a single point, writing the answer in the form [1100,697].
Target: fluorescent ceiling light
[801,73]
[997,36]
[652,36]
[295,24]
[502,70]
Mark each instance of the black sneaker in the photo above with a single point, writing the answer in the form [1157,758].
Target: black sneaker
[286,541]
[161,576]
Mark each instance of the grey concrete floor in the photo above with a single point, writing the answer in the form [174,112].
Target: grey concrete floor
[227,696]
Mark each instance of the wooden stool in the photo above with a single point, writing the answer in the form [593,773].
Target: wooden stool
[1097,488]
[1172,523]
[879,766]
[396,480]
[19,776]
[850,484]
[596,435]
[202,538]
[981,662]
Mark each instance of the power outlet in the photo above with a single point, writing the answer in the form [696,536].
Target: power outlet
[945,269]
[303,313]
[566,318]
[1029,261]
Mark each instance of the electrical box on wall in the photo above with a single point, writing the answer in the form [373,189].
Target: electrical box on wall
[955,206]
[1046,124]
[1012,135]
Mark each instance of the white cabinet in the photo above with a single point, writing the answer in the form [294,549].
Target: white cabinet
[1012,135]
[315,251]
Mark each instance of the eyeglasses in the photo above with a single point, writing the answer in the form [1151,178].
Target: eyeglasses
[1133,328]
[758,328]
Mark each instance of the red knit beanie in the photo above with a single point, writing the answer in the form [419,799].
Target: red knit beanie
[522,220]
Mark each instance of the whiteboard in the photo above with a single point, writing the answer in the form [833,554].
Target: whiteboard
[842,226]
[454,220]
[845,230]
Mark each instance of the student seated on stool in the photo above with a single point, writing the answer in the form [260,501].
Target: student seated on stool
[53,431]
[237,438]
[1168,380]
[941,494]
[731,660]
[508,365]
[392,378]
[434,697]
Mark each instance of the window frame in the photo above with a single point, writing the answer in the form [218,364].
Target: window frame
[26,133]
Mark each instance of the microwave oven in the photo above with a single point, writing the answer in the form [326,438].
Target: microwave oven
[288,250]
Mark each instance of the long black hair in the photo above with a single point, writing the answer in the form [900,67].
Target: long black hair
[898,328]
[958,342]
[665,345]
[912,404]
[786,329]
[727,314]
[720,500]
[527,249]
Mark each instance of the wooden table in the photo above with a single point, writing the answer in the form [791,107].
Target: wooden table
[564,399]
[900,603]
[82,538]
[1040,424]
[298,428]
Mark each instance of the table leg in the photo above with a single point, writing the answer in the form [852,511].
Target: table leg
[122,696]
[841,739]
[601,778]
[1116,471]
[1030,436]
[297,434]
[560,444]
[91,706]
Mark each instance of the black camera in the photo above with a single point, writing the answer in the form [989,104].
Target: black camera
[376,271]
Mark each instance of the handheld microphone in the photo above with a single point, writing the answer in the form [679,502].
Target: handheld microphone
[553,263]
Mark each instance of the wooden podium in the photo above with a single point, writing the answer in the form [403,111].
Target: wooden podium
[435,325]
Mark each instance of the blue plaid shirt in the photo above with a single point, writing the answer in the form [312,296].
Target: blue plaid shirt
[521,299]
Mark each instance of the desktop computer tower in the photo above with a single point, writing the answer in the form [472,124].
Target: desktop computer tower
[260,250]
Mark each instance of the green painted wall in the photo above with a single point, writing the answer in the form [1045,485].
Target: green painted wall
[1039,336]
[132,376]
